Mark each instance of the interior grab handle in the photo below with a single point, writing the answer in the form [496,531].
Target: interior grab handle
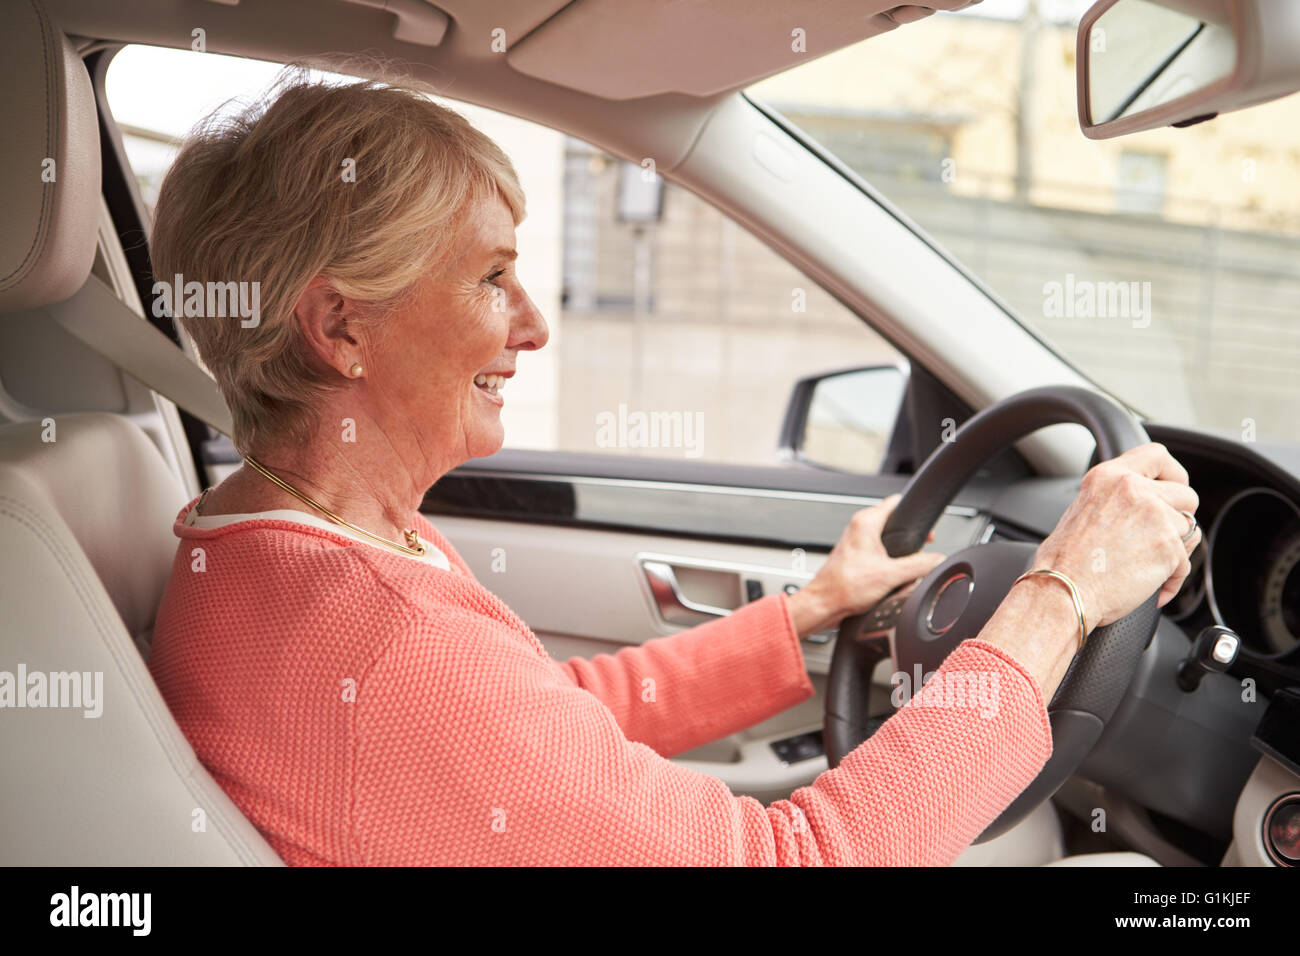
[675,607]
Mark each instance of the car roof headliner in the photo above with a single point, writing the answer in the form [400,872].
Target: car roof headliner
[637,77]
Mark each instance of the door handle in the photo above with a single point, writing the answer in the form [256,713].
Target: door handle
[675,607]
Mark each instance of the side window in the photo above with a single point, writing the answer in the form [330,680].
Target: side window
[674,331]
[672,311]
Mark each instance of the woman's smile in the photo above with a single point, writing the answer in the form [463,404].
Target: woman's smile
[490,384]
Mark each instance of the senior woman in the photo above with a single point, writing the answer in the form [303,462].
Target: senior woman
[364,700]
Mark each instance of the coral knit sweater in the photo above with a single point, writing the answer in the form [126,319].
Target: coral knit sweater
[363,707]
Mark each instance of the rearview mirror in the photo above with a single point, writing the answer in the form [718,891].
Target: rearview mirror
[1148,63]
[844,420]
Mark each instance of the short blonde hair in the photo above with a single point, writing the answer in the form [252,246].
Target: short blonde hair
[359,181]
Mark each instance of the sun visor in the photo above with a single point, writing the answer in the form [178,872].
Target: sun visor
[623,49]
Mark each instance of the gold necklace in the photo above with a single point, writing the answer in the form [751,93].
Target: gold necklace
[412,546]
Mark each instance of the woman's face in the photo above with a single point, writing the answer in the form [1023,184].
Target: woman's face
[469,318]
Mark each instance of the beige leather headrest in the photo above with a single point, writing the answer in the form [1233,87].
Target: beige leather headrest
[49,163]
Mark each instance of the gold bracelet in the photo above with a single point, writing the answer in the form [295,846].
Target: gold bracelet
[1074,594]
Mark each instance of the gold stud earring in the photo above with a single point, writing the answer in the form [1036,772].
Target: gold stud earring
[356,369]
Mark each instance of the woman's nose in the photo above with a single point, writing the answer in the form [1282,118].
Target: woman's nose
[530,329]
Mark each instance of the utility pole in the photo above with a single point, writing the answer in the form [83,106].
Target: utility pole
[1032,25]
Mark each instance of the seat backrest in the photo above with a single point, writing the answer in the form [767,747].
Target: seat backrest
[105,777]
[116,494]
[93,769]
[118,498]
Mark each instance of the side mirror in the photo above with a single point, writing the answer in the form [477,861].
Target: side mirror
[1148,63]
[844,420]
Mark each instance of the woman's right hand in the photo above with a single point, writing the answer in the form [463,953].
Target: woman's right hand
[1121,538]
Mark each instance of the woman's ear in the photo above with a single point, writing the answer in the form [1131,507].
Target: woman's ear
[322,313]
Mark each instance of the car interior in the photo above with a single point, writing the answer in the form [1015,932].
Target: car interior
[109,425]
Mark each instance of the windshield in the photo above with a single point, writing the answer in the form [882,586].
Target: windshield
[1164,264]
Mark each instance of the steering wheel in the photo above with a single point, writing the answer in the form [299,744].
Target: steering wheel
[953,602]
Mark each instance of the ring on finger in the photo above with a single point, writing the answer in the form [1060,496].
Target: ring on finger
[1191,530]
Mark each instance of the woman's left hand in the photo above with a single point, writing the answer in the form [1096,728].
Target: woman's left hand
[858,574]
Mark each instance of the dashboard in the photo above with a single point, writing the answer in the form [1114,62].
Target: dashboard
[1246,571]
[1250,572]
